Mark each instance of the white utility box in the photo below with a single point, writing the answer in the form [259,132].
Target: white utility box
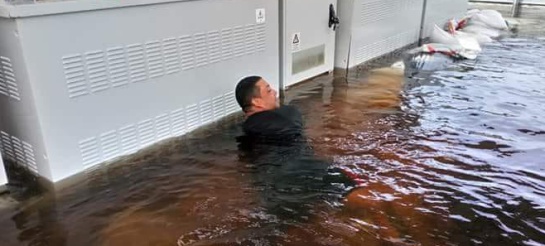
[86,81]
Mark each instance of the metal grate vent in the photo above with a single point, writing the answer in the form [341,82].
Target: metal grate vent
[154,57]
[178,122]
[186,52]
[90,152]
[109,144]
[137,62]
[206,112]
[201,51]
[146,133]
[130,138]
[239,43]
[162,123]
[231,104]
[99,70]
[214,46]
[192,117]
[117,64]
[74,73]
[227,43]
[18,151]
[8,84]
[218,107]
[170,52]
[96,71]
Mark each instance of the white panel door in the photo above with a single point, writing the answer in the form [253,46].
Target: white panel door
[309,39]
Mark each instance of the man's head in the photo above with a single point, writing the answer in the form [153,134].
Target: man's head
[254,95]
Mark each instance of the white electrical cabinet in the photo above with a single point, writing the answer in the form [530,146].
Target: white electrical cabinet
[372,28]
[84,81]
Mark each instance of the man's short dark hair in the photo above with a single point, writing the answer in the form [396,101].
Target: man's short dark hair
[246,90]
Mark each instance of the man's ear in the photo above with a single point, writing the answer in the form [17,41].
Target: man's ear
[257,102]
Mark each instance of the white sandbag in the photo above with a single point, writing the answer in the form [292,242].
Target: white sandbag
[432,48]
[398,65]
[479,29]
[471,47]
[491,18]
[471,12]
[481,38]
[452,26]
[442,37]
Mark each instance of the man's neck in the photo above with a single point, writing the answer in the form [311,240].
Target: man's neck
[255,111]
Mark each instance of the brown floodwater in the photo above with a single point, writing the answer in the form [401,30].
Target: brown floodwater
[453,156]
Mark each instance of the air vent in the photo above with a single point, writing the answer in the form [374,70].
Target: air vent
[178,122]
[117,64]
[231,104]
[261,37]
[109,144]
[8,84]
[192,117]
[155,59]
[206,112]
[146,133]
[214,46]
[239,41]
[201,50]
[227,43]
[74,73]
[170,52]
[162,123]
[18,151]
[7,147]
[29,157]
[96,71]
[250,39]
[128,136]
[186,52]
[90,152]
[137,62]
[219,107]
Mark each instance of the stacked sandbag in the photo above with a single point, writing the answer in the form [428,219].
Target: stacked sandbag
[460,40]
[453,27]
[483,22]
[470,47]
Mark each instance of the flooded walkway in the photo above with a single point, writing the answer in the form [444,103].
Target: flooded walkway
[450,157]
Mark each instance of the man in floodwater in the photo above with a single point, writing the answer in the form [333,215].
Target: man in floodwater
[291,179]
[264,115]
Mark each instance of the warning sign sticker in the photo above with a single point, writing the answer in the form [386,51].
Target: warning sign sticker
[296,41]
[260,16]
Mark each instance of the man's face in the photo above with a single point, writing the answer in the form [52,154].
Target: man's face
[267,99]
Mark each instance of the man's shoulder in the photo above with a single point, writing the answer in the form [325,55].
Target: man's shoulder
[285,118]
[285,111]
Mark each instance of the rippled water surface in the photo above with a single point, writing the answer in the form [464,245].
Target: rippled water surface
[451,157]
